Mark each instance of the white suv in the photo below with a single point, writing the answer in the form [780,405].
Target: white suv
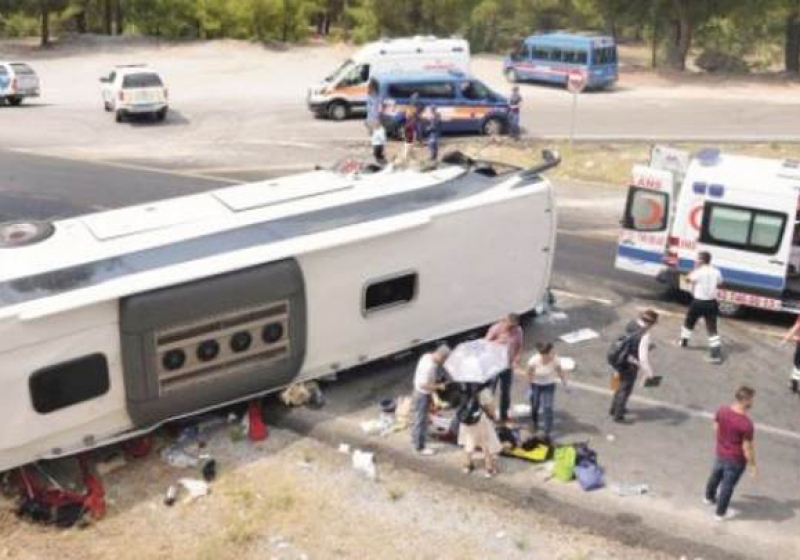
[134,90]
[17,81]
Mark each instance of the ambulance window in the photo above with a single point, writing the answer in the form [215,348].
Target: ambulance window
[357,75]
[767,231]
[389,292]
[758,231]
[729,225]
[68,383]
[647,210]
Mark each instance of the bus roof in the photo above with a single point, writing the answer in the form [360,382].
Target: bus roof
[563,39]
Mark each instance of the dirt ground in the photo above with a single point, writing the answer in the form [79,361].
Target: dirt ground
[292,498]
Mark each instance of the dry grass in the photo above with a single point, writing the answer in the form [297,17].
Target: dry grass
[608,163]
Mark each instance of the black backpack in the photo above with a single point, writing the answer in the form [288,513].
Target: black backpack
[470,412]
[623,348]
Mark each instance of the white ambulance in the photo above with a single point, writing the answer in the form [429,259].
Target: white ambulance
[742,210]
[344,92]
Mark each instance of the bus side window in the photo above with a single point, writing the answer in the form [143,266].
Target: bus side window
[555,55]
[541,53]
[582,57]
[570,57]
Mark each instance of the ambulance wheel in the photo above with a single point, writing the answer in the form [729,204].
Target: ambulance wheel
[15,101]
[338,111]
[493,127]
[728,309]
[512,76]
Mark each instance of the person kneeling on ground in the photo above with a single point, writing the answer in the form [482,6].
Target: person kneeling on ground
[477,429]
[424,387]
[543,370]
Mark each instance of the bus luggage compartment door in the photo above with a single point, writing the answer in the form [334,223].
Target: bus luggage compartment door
[201,344]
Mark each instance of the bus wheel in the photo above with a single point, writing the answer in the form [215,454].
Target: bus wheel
[729,309]
[493,127]
[338,111]
[512,76]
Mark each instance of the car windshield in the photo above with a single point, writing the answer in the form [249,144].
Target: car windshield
[142,81]
[20,69]
[341,71]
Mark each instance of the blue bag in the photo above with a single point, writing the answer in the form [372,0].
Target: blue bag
[590,475]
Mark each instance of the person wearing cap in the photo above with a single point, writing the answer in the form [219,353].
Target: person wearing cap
[705,279]
[637,360]
[424,386]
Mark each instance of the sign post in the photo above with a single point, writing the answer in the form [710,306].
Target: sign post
[576,83]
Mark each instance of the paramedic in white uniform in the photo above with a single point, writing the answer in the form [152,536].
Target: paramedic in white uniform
[705,280]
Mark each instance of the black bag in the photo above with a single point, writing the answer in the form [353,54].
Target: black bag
[470,412]
[622,349]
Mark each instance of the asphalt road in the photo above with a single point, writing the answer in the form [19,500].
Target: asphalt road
[668,447]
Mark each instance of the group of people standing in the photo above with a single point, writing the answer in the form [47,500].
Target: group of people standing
[476,416]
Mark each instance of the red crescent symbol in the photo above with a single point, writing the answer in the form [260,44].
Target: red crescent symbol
[694,217]
[655,214]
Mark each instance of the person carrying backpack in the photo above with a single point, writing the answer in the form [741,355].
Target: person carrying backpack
[477,429]
[627,355]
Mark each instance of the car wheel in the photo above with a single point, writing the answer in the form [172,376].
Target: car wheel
[161,115]
[15,101]
[493,127]
[119,116]
[338,111]
[512,76]
[730,309]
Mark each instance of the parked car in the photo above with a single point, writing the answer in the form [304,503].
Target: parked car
[17,81]
[464,103]
[135,90]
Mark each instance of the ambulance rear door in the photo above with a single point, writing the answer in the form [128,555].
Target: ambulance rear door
[646,222]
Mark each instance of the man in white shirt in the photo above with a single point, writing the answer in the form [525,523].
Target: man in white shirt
[705,279]
[424,386]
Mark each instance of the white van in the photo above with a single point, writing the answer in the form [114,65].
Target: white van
[344,92]
[742,210]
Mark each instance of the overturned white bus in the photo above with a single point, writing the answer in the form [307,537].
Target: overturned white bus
[113,323]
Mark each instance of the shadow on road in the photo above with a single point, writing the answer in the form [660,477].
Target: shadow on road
[763,508]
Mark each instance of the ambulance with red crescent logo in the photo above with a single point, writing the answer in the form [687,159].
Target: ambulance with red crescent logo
[743,210]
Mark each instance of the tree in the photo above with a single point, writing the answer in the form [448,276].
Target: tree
[791,37]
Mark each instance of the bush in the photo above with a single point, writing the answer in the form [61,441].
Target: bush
[714,62]
[19,25]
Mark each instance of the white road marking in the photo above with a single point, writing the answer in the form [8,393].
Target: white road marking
[129,166]
[694,413]
[572,295]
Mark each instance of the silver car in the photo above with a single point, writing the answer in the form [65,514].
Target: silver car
[17,81]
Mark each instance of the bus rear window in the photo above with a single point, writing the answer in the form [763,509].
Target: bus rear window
[607,55]
[141,81]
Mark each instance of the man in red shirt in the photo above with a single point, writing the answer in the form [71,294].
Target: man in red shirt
[735,451]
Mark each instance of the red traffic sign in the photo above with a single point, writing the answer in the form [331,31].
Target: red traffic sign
[576,82]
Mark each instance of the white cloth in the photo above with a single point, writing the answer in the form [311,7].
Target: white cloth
[543,374]
[378,136]
[705,281]
[425,375]
[644,356]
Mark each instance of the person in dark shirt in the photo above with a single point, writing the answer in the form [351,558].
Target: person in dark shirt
[735,451]
[514,106]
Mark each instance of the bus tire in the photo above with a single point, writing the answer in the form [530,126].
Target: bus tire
[338,110]
[512,76]
[494,127]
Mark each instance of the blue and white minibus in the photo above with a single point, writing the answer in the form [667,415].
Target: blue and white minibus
[553,57]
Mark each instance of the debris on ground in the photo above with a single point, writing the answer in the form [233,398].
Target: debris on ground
[195,487]
[627,490]
[303,394]
[364,462]
[551,317]
[110,465]
[581,335]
